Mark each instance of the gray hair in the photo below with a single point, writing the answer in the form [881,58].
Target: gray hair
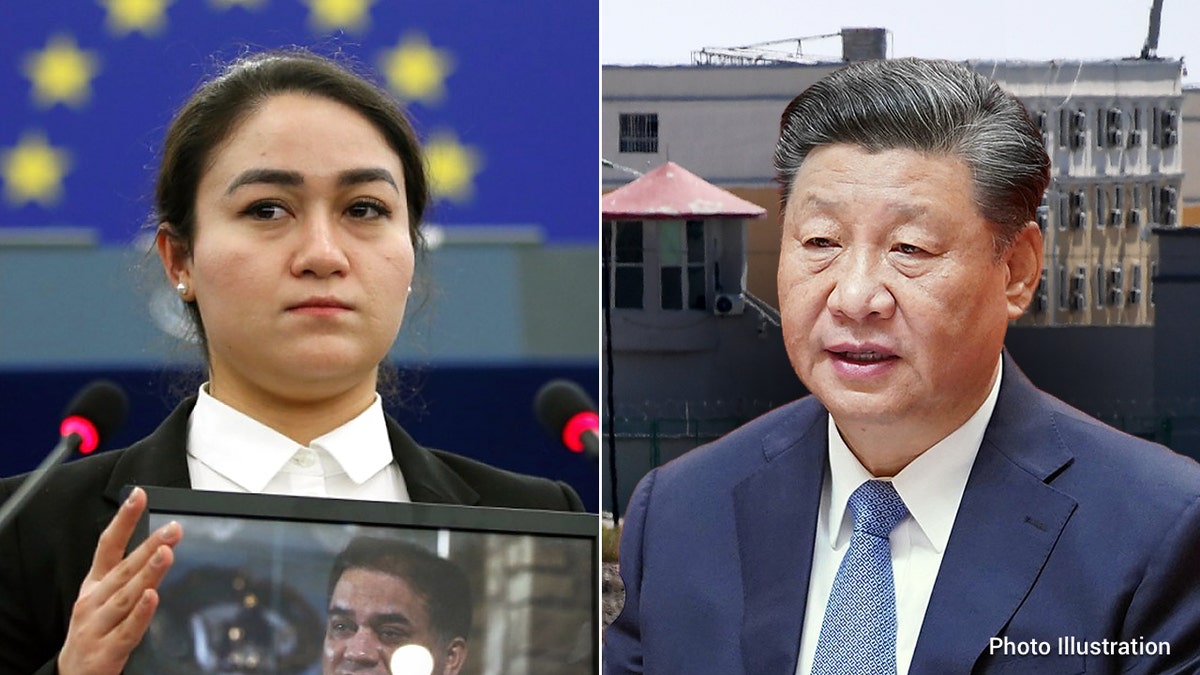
[937,107]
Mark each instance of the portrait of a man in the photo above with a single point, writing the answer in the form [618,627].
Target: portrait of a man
[387,593]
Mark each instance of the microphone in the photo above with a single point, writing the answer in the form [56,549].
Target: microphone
[95,413]
[568,415]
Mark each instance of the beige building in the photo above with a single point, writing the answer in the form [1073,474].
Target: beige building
[1190,215]
[718,121]
[1113,130]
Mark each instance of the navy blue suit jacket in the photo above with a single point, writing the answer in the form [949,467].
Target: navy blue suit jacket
[1067,528]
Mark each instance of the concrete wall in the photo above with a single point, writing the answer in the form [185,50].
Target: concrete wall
[679,384]
[1190,133]
[1176,347]
[719,122]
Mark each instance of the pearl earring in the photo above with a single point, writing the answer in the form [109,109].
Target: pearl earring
[181,288]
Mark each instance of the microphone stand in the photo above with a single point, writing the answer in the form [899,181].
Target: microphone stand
[67,445]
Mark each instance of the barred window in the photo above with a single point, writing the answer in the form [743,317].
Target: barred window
[682,259]
[624,275]
[639,132]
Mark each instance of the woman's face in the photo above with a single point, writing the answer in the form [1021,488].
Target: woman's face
[302,257]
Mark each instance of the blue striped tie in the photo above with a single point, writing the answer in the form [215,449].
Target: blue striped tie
[858,635]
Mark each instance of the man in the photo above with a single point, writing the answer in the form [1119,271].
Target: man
[384,594]
[926,510]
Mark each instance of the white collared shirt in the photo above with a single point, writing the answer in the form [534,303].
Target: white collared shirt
[229,451]
[931,486]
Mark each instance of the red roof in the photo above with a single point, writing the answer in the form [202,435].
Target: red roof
[671,191]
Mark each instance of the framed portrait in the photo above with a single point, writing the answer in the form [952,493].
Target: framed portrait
[302,586]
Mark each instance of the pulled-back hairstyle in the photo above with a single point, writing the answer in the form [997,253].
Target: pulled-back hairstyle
[220,104]
[935,107]
[441,584]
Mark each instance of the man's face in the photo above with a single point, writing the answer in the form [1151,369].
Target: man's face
[371,614]
[894,302]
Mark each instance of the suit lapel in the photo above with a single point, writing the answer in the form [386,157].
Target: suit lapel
[775,510]
[159,459]
[1007,524]
[428,479]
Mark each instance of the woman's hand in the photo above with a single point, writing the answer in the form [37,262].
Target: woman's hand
[118,597]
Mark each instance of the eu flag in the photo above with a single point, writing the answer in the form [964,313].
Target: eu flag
[503,95]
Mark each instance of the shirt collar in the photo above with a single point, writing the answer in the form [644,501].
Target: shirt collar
[931,485]
[250,453]
[361,447]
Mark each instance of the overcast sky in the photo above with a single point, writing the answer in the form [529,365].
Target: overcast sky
[667,31]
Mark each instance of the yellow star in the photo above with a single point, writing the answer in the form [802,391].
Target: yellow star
[61,73]
[248,4]
[145,16]
[33,171]
[330,15]
[416,70]
[452,167]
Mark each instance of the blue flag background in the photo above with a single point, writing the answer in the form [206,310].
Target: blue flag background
[503,95]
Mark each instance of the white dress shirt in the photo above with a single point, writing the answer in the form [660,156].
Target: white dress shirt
[228,451]
[931,486]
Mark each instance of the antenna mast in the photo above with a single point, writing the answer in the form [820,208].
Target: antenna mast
[1150,49]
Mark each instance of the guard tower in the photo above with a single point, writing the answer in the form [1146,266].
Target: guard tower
[692,354]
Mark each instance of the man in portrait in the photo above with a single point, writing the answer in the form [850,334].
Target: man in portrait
[387,593]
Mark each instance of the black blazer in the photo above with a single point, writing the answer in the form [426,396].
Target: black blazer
[47,551]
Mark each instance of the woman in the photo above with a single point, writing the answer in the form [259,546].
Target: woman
[289,203]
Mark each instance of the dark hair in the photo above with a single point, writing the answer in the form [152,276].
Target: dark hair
[937,107]
[439,582]
[220,104]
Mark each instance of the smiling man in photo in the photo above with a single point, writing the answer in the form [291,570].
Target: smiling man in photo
[386,593]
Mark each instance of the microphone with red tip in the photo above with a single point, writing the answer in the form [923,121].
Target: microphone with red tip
[568,415]
[95,413]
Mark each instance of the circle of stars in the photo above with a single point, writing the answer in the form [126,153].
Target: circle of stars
[61,73]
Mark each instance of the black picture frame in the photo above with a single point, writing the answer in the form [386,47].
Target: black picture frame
[249,588]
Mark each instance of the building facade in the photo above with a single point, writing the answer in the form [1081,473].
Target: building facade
[1190,137]
[689,354]
[1113,130]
